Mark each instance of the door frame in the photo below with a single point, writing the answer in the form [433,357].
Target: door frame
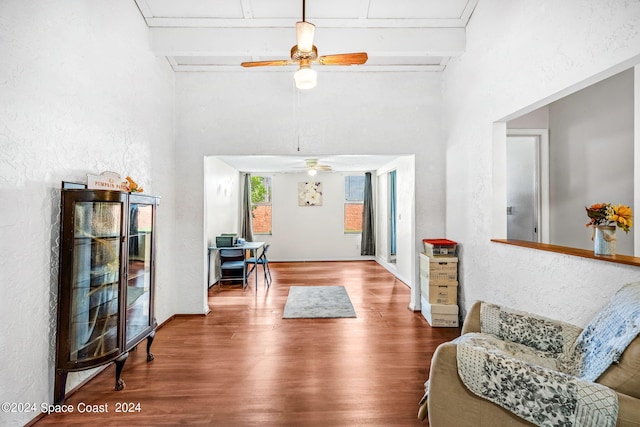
[543,177]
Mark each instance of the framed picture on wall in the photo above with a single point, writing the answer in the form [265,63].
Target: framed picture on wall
[309,194]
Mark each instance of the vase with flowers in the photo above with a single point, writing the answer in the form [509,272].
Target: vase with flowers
[604,218]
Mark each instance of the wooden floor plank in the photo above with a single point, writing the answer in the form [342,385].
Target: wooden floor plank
[244,365]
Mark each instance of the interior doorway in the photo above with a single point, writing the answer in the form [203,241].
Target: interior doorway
[527,185]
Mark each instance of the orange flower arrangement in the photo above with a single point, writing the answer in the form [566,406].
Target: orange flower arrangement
[608,214]
[133,186]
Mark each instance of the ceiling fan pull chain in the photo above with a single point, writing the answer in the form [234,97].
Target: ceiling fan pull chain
[296,113]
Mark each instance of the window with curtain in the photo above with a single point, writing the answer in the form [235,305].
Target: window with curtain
[353,203]
[261,204]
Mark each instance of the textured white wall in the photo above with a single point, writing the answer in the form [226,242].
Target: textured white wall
[518,54]
[254,113]
[302,233]
[298,233]
[222,202]
[80,93]
[382,216]
[222,198]
[589,149]
[537,119]
[406,254]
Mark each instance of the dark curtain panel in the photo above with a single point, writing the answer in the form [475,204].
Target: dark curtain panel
[246,231]
[368,243]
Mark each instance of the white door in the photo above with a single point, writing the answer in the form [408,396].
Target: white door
[523,188]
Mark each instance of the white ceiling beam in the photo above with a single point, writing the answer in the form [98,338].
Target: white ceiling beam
[290,22]
[278,41]
[320,69]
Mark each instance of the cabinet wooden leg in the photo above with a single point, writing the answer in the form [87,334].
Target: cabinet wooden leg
[59,388]
[120,385]
[150,338]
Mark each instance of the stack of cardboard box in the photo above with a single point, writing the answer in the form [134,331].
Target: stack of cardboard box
[439,283]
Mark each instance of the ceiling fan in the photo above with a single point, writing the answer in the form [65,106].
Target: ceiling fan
[305,53]
[313,167]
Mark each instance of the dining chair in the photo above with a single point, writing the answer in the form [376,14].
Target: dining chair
[232,265]
[262,260]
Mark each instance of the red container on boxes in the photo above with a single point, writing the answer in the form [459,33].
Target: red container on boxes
[439,247]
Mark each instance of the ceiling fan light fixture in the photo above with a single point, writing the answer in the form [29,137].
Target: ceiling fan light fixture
[305,77]
[304,35]
[304,53]
[312,172]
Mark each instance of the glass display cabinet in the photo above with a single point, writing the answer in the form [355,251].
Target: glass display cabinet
[106,280]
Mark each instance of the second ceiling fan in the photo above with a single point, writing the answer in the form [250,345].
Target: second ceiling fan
[305,53]
[313,166]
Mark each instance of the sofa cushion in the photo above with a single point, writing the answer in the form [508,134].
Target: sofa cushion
[606,337]
[624,376]
[451,404]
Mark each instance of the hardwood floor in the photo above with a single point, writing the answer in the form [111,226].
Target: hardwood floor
[244,365]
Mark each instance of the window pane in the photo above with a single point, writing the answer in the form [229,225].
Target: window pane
[261,204]
[354,188]
[353,217]
[262,219]
[353,206]
[260,189]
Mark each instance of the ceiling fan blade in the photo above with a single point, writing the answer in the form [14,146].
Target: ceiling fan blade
[323,167]
[268,63]
[358,58]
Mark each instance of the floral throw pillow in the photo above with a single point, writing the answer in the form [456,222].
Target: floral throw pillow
[538,332]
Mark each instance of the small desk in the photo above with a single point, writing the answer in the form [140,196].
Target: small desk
[252,247]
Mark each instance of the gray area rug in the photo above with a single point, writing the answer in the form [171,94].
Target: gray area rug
[307,302]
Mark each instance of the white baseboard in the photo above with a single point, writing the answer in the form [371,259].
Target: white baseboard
[358,258]
[391,268]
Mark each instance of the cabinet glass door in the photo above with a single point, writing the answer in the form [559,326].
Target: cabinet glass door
[97,231]
[140,269]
